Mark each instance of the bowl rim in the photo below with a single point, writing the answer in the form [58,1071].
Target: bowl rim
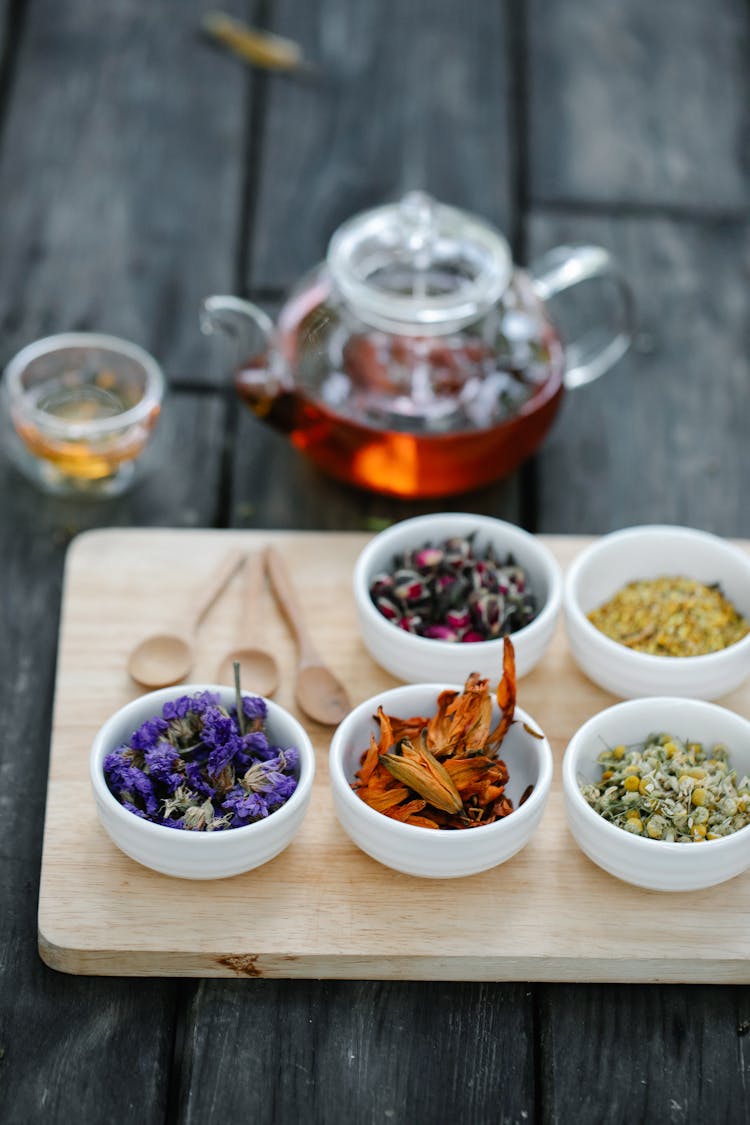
[544,618]
[590,554]
[341,785]
[574,797]
[153,392]
[103,743]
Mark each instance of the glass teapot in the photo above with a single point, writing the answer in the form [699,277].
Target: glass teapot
[417,360]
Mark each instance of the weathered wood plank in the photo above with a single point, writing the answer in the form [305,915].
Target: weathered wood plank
[98,1050]
[5,31]
[364,1052]
[638,102]
[412,96]
[663,436]
[650,1055]
[120,176]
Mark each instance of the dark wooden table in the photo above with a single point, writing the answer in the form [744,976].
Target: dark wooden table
[141,170]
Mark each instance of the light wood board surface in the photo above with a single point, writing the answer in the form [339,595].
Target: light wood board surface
[323,909]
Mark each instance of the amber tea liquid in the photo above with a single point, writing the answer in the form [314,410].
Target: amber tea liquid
[78,401]
[392,456]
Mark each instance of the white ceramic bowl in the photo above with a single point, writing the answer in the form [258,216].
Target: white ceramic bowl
[649,552]
[200,855]
[418,659]
[655,864]
[425,851]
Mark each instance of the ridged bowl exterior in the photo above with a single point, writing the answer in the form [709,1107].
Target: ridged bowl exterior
[421,659]
[655,864]
[199,855]
[426,852]
[649,552]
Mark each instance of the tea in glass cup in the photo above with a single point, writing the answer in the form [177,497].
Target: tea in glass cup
[83,407]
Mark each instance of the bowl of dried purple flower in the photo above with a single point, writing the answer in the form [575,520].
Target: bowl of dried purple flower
[657,792]
[191,786]
[436,595]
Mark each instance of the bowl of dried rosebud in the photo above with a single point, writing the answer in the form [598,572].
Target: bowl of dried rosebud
[437,594]
[187,783]
[438,781]
[660,610]
[657,792]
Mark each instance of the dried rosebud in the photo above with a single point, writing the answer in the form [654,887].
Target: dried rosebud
[489,612]
[440,633]
[410,623]
[387,608]
[428,557]
[442,581]
[411,593]
[458,618]
[457,545]
[471,636]
[381,584]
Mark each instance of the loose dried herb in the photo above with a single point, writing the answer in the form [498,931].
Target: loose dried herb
[455,592]
[667,789]
[670,616]
[443,771]
[203,768]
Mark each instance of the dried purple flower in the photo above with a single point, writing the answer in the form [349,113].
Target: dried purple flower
[148,734]
[164,764]
[188,769]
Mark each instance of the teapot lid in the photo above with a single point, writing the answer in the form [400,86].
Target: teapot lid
[418,267]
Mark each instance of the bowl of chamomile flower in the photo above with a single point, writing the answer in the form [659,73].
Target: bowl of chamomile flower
[657,792]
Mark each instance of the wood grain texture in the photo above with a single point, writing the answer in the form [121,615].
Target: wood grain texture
[663,436]
[660,438]
[411,96]
[359,1052]
[323,908]
[687,1060]
[120,176]
[643,103]
[52,1035]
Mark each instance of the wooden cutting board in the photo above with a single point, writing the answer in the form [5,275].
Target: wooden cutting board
[323,908]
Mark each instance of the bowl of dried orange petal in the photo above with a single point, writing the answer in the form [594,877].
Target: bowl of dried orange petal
[441,781]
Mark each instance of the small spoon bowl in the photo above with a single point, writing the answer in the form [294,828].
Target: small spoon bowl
[259,670]
[321,695]
[161,660]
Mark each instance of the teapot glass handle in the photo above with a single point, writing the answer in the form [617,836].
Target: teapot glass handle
[248,330]
[599,347]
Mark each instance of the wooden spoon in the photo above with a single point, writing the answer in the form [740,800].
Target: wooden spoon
[259,669]
[166,658]
[319,693]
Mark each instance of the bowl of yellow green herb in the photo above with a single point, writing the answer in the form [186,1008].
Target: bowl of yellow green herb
[657,792]
[660,610]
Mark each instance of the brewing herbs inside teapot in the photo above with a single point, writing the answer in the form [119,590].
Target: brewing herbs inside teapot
[416,360]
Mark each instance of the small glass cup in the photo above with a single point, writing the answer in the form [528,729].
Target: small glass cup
[83,407]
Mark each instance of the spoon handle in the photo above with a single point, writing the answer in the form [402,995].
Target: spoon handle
[251,596]
[218,580]
[286,596]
